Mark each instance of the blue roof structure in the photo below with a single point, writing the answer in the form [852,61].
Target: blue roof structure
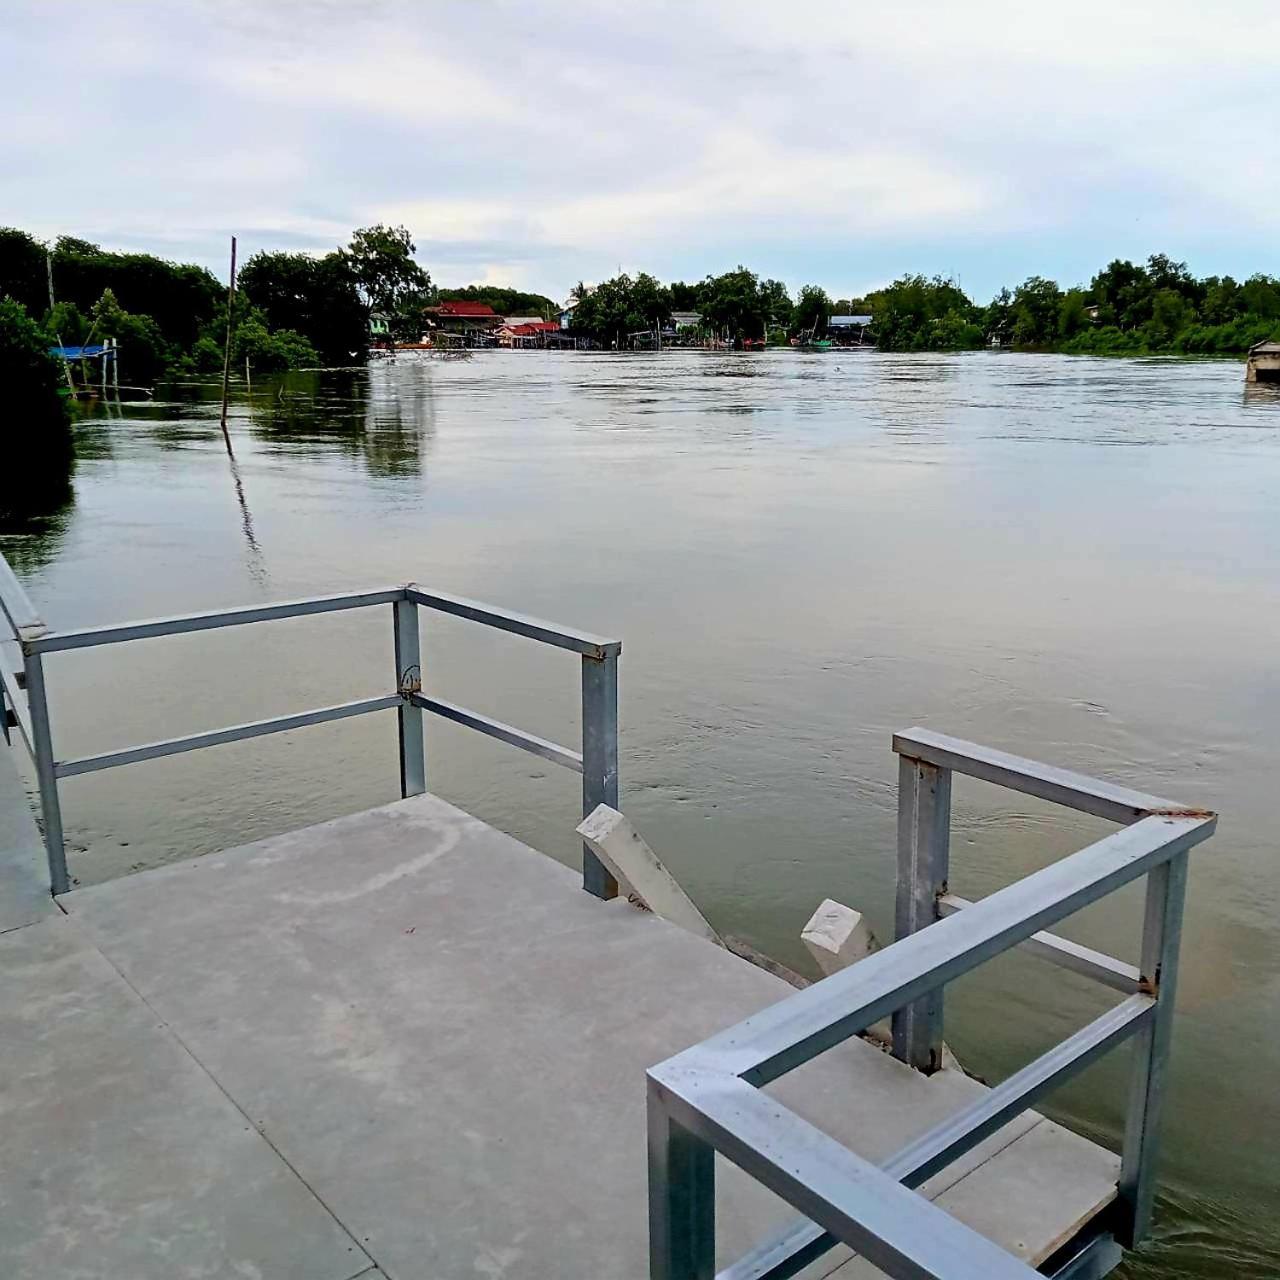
[77,353]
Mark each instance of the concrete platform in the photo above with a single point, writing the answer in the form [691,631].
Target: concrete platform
[404,1041]
[24,877]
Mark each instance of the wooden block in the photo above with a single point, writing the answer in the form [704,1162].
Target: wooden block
[614,840]
[836,936]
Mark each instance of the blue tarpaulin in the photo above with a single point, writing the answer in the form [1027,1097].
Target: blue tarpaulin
[76,353]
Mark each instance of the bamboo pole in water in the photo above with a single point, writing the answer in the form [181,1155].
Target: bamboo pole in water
[226,353]
[66,364]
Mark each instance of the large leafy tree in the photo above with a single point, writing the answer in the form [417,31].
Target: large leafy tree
[22,269]
[736,304]
[1034,311]
[916,313]
[618,308]
[314,297]
[390,280]
[180,298]
[812,310]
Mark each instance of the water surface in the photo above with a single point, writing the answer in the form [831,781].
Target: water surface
[1069,558]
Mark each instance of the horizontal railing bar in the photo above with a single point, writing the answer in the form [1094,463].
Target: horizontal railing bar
[16,606]
[895,1229]
[181,623]
[963,1131]
[1066,954]
[1061,786]
[235,733]
[775,1040]
[517,623]
[503,732]
[797,1245]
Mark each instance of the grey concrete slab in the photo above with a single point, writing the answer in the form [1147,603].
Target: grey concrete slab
[122,1160]
[447,1038]
[24,876]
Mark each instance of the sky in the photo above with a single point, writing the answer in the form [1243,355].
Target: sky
[540,143]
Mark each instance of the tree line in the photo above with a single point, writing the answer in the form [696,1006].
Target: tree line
[291,310]
[1126,309]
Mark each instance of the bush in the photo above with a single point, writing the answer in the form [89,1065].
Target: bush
[36,436]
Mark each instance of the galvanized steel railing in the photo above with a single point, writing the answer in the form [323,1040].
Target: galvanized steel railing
[24,702]
[709,1098]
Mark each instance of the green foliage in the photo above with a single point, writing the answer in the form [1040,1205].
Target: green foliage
[179,298]
[315,297]
[389,279]
[813,309]
[686,297]
[740,305]
[144,354]
[620,307]
[270,351]
[1034,312]
[22,270]
[919,314]
[36,436]
[1073,314]
[506,302]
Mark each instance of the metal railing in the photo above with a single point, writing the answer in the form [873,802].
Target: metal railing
[24,701]
[708,1098]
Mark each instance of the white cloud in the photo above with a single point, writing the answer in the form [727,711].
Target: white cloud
[549,142]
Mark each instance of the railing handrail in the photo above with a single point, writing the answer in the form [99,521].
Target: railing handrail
[790,1033]
[707,1098]
[583,642]
[24,622]
[597,762]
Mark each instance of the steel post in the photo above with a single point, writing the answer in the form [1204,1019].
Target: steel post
[599,758]
[924,832]
[1161,937]
[682,1199]
[413,761]
[46,776]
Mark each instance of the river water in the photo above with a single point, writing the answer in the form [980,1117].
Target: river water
[1071,559]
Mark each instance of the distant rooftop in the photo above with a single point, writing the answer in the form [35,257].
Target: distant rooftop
[462,307]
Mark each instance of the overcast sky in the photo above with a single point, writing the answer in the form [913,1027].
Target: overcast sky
[540,143]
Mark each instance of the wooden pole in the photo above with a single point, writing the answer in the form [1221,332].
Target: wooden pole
[226,354]
[66,364]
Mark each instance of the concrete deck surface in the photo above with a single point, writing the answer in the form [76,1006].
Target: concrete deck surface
[24,877]
[404,1040]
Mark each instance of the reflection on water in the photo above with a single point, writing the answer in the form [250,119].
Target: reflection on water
[1070,558]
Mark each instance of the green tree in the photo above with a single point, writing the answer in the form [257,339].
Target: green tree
[686,297]
[267,350]
[22,270]
[812,311]
[314,297]
[1170,314]
[36,434]
[916,313]
[1122,293]
[1034,311]
[144,354]
[178,297]
[737,304]
[618,308]
[1073,317]
[389,278]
